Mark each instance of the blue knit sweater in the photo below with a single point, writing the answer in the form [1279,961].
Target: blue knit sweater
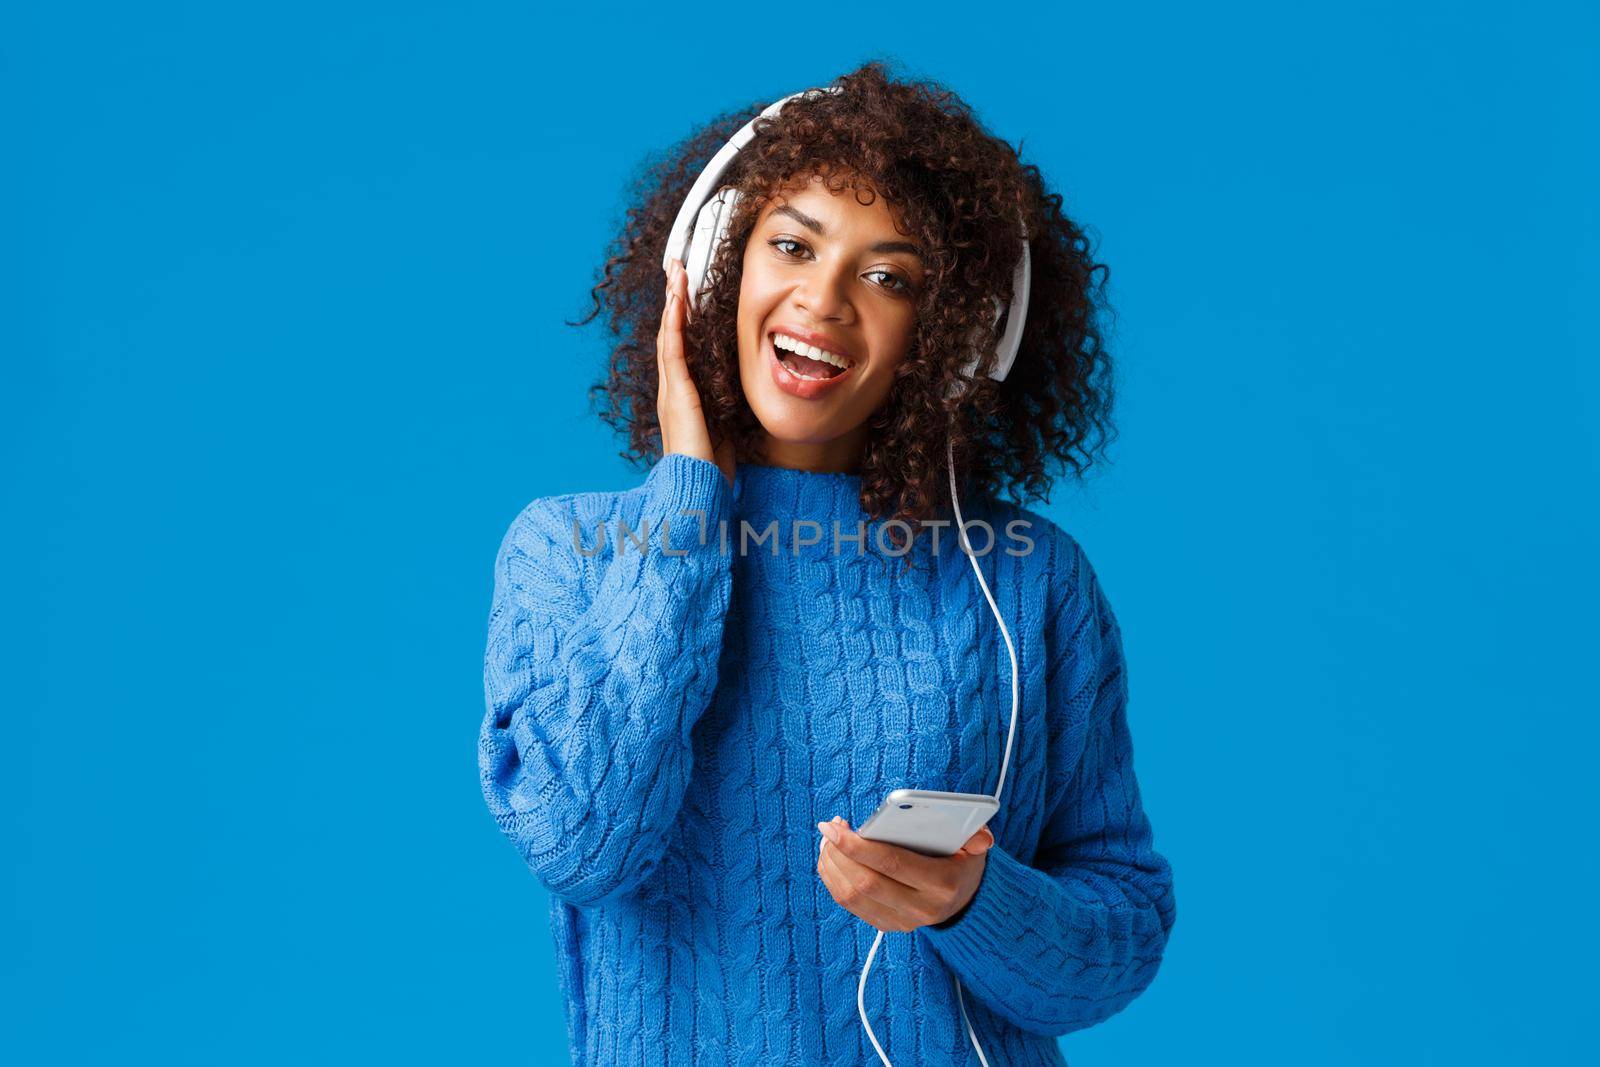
[670,717]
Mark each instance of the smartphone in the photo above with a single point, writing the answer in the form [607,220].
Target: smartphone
[933,823]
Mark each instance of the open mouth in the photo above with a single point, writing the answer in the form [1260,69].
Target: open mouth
[807,362]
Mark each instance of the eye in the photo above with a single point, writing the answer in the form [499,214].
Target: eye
[894,283]
[792,248]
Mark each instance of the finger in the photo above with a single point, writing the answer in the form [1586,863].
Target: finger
[979,843]
[661,330]
[862,907]
[680,282]
[661,333]
[666,303]
[664,329]
[900,864]
[680,286]
[864,883]
[672,358]
[677,398]
[661,384]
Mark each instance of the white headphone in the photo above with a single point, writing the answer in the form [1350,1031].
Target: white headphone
[699,230]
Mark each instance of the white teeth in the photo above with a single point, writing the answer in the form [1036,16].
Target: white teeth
[784,341]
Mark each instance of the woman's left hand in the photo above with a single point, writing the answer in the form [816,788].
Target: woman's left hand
[893,888]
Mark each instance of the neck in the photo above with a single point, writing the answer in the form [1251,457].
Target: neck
[842,455]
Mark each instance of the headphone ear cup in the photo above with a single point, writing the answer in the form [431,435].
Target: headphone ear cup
[975,337]
[710,230]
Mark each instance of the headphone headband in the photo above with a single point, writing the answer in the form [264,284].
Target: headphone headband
[711,177]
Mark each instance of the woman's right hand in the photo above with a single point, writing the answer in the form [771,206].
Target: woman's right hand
[678,410]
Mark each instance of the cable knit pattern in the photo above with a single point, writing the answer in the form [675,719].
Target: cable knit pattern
[670,713]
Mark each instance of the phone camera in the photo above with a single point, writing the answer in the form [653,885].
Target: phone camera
[905,805]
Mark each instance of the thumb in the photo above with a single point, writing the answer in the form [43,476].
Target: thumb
[979,843]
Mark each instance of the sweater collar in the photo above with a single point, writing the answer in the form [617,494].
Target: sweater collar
[763,493]
[804,512]
[789,499]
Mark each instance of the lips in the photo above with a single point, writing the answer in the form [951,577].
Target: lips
[802,388]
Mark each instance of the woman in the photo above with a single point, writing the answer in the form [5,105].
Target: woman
[697,688]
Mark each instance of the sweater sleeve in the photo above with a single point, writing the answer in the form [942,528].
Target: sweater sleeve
[1069,938]
[584,753]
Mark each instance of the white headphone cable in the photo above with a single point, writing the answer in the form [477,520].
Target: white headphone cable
[1005,762]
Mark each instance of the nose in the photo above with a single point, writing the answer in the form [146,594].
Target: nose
[824,293]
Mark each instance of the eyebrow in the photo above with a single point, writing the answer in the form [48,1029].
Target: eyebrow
[817,228]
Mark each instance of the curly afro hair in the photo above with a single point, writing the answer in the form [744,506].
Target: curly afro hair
[964,195]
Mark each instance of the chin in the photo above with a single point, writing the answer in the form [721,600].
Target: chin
[782,423]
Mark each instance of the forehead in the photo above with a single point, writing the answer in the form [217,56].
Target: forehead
[843,207]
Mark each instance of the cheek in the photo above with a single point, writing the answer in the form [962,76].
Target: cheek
[758,296]
[894,337]
[756,281]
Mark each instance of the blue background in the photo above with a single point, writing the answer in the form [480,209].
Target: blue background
[283,355]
